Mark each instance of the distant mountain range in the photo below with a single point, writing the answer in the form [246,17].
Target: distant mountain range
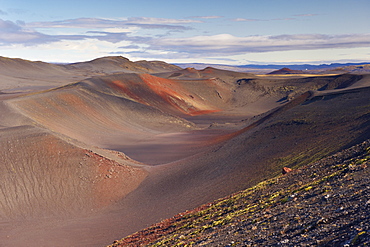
[269,67]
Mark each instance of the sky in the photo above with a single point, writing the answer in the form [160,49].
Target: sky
[234,32]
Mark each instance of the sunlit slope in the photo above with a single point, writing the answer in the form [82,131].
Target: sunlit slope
[24,75]
[82,113]
[173,96]
[135,114]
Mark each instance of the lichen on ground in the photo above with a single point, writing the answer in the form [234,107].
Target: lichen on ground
[323,204]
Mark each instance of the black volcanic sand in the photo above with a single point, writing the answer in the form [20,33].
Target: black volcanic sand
[68,182]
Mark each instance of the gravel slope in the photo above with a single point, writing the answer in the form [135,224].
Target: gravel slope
[323,204]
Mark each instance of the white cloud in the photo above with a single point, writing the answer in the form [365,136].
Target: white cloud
[226,44]
[276,19]
[62,51]
[151,20]
[208,17]
[306,15]
[244,19]
[129,47]
[20,33]
[121,29]
[284,19]
[125,36]
[11,32]
[95,23]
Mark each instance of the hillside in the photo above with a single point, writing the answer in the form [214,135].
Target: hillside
[42,175]
[22,75]
[99,158]
[118,64]
[325,203]
[19,75]
[285,71]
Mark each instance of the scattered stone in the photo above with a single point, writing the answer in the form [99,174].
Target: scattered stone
[307,220]
[286,170]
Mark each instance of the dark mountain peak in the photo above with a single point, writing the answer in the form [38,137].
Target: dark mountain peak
[285,71]
[115,59]
[190,69]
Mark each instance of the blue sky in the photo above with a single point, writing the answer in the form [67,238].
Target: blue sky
[225,32]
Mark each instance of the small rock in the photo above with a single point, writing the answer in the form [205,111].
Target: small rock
[286,170]
[285,241]
[326,197]
[339,209]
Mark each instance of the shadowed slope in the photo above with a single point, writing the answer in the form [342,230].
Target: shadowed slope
[295,137]
[249,95]
[207,73]
[45,179]
[285,71]
[324,203]
[43,175]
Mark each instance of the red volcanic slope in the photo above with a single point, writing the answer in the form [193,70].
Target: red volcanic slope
[166,94]
[57,175]
[46,181]
[125,113]
[177,96]
[153,119]
[79,111]
[23,75]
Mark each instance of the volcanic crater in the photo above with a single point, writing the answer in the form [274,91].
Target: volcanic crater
[108,147]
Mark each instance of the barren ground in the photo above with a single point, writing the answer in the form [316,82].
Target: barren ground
[91,153]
